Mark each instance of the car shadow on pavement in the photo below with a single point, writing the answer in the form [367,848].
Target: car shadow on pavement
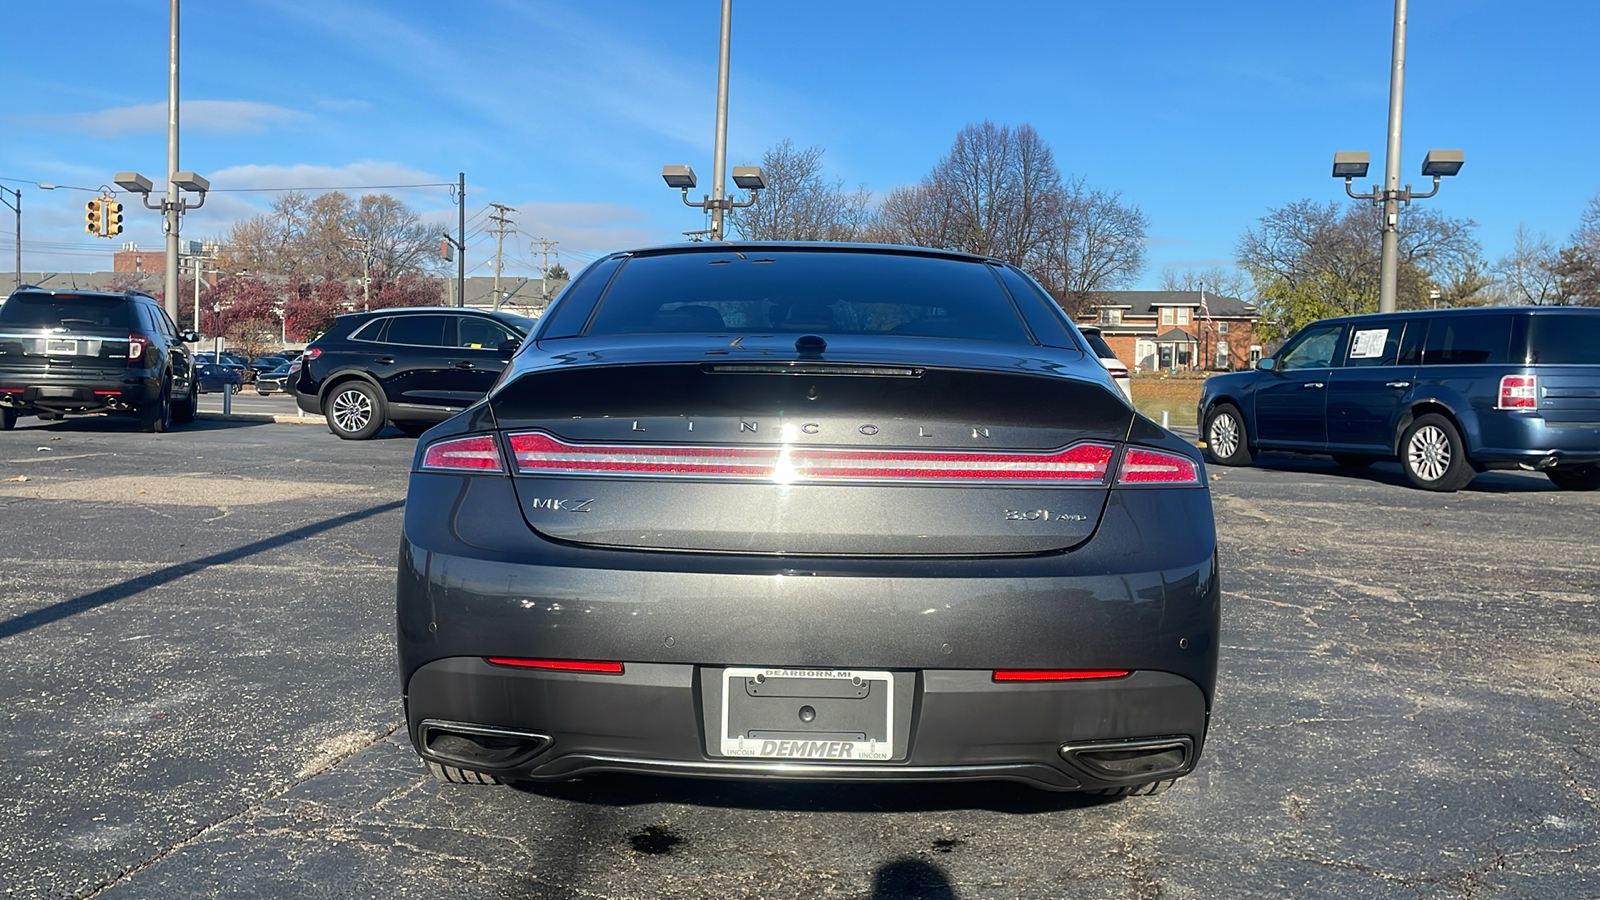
[122,590]
[129,425]
[622,790]
[1496,482]
[911,879]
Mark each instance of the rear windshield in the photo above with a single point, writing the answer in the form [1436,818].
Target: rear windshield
[1556,339]
[795,292]
[66,312]
[1099,346]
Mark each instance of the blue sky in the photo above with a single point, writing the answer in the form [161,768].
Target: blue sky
[1205,115]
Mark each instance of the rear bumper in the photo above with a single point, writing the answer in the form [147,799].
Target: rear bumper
[654,719]
[78,391]
[1518,440]
[475,581]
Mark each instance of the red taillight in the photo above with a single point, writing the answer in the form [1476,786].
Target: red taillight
[478,453]
[560,665]
[136,345]
[313,353]
[540,454]
[1519,392]
[1058,674]
[1118,372]
[1142,466]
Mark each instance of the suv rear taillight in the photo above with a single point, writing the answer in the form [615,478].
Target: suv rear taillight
[313,353]
[1519,392]
[136,345]
[478,453]
[1142,466]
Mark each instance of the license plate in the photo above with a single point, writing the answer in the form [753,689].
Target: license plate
[808,715]
[61,348]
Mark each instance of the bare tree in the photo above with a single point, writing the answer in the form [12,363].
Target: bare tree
[1528,272]
[330,234]
[1579,264]
[1310,260]
[799,203]
[1100,246]
[1225,281]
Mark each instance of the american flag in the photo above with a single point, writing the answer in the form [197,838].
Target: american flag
[1205,311]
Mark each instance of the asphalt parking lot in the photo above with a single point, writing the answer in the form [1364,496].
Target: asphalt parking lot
[201,701]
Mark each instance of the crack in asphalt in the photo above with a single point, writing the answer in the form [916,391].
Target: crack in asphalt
[197,835]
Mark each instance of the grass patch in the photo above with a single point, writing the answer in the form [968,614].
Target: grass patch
[1175,394]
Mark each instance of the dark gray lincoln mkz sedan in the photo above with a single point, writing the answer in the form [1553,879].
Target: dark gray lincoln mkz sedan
[808,512]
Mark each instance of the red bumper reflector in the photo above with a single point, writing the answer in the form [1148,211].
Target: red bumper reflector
[1141,466]
[107,393]
[478,453]
[559,665]
[1058,674]
[541,454]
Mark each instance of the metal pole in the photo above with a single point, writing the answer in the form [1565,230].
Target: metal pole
[171,291]
[461,240]
[720,159]
[196,293]
[18,194]
[1389,286]
[366,278]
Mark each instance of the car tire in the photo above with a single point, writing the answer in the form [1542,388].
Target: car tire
[413,429]
[1433,455]
[157,417]
[453,775]
[8,419]
[1575,478]
[354,411]
[1353,461]
[183,411]
[1227,443]
[1149,788]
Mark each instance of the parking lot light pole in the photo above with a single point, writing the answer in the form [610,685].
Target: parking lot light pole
[16,195]
[1351,165]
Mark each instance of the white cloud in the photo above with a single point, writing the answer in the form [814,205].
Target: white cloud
[209,116]
[308,177]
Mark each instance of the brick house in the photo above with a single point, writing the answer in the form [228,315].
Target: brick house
[1166,331]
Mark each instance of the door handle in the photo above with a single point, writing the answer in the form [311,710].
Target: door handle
[1313,384]
[1398,384]
[386,360]
[466,364]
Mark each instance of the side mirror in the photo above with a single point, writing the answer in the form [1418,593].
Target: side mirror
[191,337]
[1267,363]
[507,348]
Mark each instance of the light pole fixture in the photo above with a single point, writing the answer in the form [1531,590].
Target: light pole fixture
[173,205]
[748,178]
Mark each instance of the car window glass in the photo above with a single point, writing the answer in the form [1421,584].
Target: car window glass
[570,310]
[69,312]
[808,292]
[422,331]
[1411,343]
[372,331]
[1374,345]
[1313,351]
[1464,340]
[1563,340]
[481,334]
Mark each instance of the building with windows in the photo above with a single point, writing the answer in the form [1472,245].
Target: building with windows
[1170,331]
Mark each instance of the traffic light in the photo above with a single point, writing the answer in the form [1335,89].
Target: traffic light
[113,218]
[94,220]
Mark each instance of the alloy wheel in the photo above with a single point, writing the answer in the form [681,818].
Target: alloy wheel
[352,410]
[1429,453]
[1224,436]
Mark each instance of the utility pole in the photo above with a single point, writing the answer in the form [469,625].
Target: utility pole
[501,219]
[173,208]
[543,245]
[461,238]
[719,157]
[16,194]
[1389,283]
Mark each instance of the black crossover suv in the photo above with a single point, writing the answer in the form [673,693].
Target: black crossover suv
[1447,393]
[808,511]
[71,351]
[410,367]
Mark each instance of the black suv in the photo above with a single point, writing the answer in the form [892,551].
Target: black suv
[408,367]
[1448,393]
[71,351]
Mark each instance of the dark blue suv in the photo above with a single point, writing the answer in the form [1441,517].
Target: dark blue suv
[1449,393]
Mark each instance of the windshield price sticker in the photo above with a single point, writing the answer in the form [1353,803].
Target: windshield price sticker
[740,739]
[1369,344]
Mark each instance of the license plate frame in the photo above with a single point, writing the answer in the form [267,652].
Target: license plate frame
[873,743]
[54,347]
